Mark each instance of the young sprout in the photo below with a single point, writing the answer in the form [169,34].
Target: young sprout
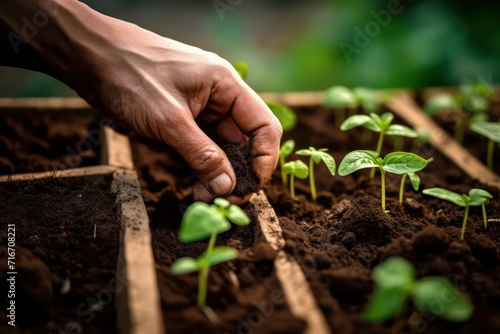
[242,68]
[396,162]
[284,114]
[203,221]
[469,105]
[315,156]
[381,124]
[396,282]
[475,197]
[368,99]
[296,169]
[414,179]
[285,150]
[342,99]
[491,131]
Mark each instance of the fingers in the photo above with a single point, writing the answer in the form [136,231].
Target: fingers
[206,159]
[253,118]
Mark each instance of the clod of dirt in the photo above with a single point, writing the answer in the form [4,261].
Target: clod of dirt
[247,181]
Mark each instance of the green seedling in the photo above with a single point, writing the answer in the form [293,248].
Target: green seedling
[368,99]
[396,162]
[382,125]
[491,131]
[469,105]
[285,115]
[396,283]
[342,99]
[285,150]
[242,68]
[475,197]
[203,221]
[316,156]
[296,169]
[414,179]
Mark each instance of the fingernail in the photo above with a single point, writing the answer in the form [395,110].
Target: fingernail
[221,185]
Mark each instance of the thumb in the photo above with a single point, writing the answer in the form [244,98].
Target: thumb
[207,160]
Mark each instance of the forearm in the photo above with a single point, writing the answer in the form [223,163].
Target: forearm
[63,38]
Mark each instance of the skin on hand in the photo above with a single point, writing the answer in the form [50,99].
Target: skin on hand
[188,98]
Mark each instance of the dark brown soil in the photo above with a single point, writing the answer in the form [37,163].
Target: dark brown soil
[339,239]
[54,222]
[244,293]
[247,181]
[36,141]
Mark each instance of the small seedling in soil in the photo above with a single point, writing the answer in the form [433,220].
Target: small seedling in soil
[296,169]
[342,99]
[475,197]
[203,221]
[469,105]
[415,182]
[491,131]
[396,283]
[285,150]
[381,124]
[285,115]
[315,156]
[395,162]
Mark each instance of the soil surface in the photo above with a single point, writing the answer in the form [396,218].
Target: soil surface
[36,141]
[65,277]
[342,237]
[244,293]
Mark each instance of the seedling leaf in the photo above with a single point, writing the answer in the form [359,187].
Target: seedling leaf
[221,202]
[415,180]
[439,297]
[237,216]
[354,121]
[298,168]
[219,254]
[285,115]
[401,130]
[329,162]
[185,265]
[357,160]
[340,97]
[440,102]
[490,130]
[287,148]
[394,273]
[384,304]
[200,221]
[446,195]
[242,69]
[403,162]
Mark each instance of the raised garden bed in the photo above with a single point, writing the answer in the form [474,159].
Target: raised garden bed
[342,237]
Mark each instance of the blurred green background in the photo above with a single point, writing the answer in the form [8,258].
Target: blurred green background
[298,45]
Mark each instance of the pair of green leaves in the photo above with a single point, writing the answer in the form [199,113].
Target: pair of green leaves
[396,283]
[208,259]
[376,123]
[395,162]
[318,155]
[475,197]
[491,131]
[340,97]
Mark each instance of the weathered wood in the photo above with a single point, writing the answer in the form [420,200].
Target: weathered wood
[115,150]
[139,310]
[293,281]
[44,103]
[406,108]
[90,172]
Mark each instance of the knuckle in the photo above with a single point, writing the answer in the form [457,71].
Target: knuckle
[205,159]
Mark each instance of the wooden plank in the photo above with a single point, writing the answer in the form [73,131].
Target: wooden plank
[115,149]
[294,99]
[44,103]
[293,281]
[74,172]
[406,108]
[139,309]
